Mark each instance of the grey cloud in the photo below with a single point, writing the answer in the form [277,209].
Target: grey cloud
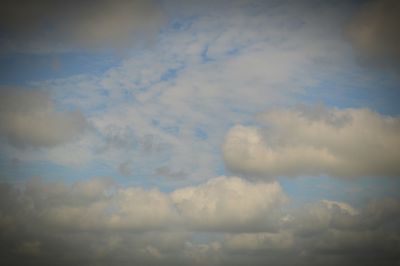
[118,140]
[323,233]
[259,241]
[151,144]
[97,222]
[315,141]
[99,204]
[168,172]
[30,119]
[375,32]
[48,26]
[124,139]
[125,169]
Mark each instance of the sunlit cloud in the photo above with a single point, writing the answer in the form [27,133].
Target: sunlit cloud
[316,141]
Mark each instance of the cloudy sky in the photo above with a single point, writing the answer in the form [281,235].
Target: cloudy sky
[200,132]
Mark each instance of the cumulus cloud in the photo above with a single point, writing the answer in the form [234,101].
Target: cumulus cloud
[375,32]
[223,203]
[30,119]
[144,225]
[229,204]
[324,233]
[99,205]
[147,98]
[48,26]
[99,222]
[316,141]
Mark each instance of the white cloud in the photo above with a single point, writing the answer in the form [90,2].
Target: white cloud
[316,141]
[141,208]
[99,205]
[208,72]
[229,204]
[221,204]
[165,110]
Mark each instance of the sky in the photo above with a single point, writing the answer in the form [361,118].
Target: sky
[172,132]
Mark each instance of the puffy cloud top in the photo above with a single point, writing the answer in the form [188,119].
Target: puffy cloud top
[229,204]
[223,203]
[316,141]
[98,221]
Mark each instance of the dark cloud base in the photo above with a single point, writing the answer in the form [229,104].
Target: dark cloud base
[323,233]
